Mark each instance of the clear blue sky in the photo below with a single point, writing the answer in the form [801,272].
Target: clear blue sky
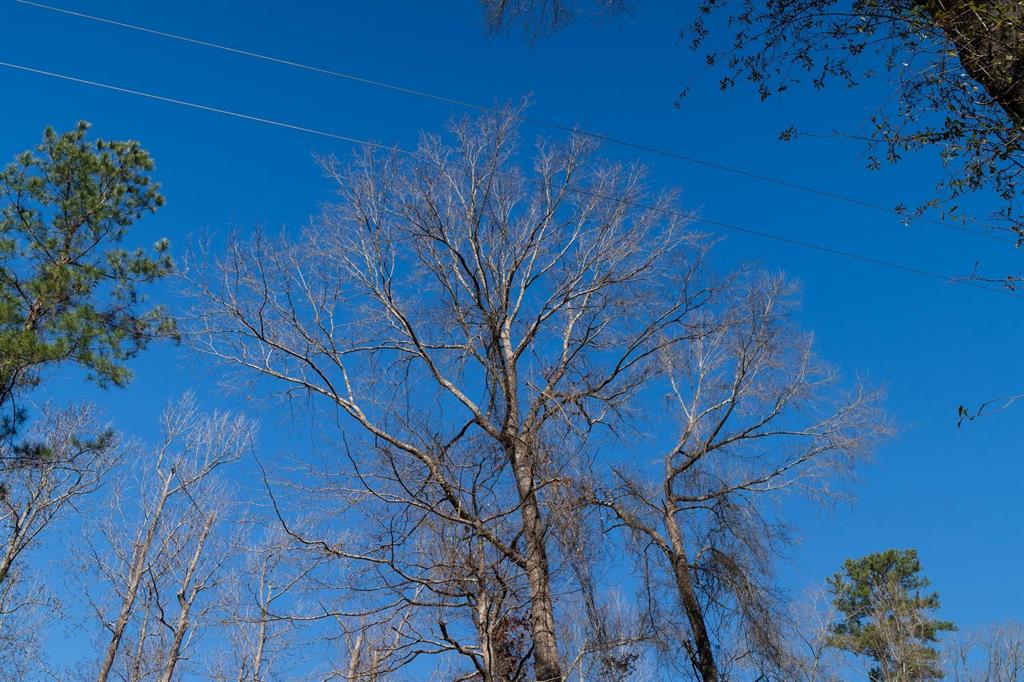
[953,494]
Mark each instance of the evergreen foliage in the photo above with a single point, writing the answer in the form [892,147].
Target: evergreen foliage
[70,292]
[886,616]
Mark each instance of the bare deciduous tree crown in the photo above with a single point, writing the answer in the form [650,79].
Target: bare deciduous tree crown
[488,331]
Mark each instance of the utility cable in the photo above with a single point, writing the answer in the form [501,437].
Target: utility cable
[651,149]
[376,145]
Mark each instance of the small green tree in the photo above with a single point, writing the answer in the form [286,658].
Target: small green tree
[69,291]
[886,616]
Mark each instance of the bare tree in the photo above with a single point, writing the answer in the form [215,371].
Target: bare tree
[994,654]
[75,456]
[483,328]
[160,549]
[265,607]
[543,16]
[811,619]
[71,459]
[752,415]
[603,633]
[436,590]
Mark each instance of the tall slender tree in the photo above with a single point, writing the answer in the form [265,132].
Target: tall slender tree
[753,415]
[151,564]
[41,493]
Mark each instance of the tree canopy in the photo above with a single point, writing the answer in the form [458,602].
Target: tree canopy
[955,67]
[70,291]
[886,616]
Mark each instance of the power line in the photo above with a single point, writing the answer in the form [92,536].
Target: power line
[359,141]
[651,149]
[193,105]
[266,58]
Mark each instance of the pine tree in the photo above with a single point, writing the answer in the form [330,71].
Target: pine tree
[886,616]
[70,293]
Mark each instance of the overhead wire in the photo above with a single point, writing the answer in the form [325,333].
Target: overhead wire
[376,145]
[610,139]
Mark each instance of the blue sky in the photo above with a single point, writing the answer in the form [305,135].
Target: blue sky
[954,494]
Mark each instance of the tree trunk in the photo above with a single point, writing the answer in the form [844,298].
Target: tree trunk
[261,641]
[355,656]
[701,655]
[485,629]
[546,666]
[186,597]
[140,555]
[8,558]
